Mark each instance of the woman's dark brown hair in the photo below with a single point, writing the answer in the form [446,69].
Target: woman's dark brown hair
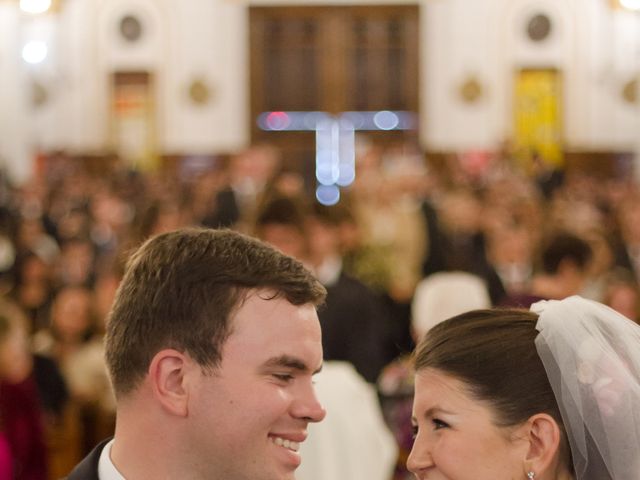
[494,354]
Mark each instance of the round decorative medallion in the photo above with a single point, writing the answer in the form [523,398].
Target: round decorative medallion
[470,90]
[130,28]
[39,94]
[630,91]
[199,92]
[539,27]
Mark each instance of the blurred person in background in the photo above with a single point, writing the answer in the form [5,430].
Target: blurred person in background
[510,256]
[352,442]
[602,264]
[201,197]
[74,342]
[387,200]
[75,265]
[247,176]
[6,461]
[111,214]
[31,236]
[280,222]
[356,326]
[463,238]
[33,288]
[21,407]
[158,217]
[622,293]
[627,250]
[562,271]
[71,325]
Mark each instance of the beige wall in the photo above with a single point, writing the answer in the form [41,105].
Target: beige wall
[597,50]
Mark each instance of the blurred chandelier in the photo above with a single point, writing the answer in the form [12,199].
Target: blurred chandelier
[630,4]
[35,7]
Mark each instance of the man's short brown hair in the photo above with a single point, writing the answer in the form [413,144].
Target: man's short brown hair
[180,290]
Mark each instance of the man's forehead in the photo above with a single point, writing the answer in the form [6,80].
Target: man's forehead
[265,305]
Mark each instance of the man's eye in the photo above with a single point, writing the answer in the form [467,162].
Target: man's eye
[284,377]
[438,424]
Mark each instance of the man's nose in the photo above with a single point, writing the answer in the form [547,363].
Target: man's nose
[308,407]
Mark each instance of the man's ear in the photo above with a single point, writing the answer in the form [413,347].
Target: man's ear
[543,436]
[167,374]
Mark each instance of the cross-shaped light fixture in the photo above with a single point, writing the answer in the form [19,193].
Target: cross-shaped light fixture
[335,141]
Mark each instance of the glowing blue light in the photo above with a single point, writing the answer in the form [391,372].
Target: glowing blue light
[386,120]
[408,121]
[327,173]
[312,119]
[347,175]
[327,164]
[335,140]
[353,119]
[328,194]
[278,121]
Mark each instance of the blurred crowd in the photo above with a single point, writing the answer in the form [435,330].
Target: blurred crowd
[410,243]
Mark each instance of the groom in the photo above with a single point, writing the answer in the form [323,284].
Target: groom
[212,343]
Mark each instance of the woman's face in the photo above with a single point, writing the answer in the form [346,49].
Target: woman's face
[456,435]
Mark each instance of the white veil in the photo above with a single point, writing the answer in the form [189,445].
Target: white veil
[591,355]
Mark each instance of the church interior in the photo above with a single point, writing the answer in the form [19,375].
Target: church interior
[440,155]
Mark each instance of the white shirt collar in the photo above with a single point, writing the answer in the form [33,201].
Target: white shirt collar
[106,468]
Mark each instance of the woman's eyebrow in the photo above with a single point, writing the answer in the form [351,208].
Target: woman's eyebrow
[433,412]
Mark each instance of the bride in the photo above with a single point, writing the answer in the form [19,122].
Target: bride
[547,394]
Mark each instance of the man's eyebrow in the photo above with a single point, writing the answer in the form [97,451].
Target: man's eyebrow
[290,362]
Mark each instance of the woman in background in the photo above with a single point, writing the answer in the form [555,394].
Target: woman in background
[21,412]
[5,458]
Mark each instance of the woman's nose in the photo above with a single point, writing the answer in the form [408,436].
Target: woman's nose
[420,457]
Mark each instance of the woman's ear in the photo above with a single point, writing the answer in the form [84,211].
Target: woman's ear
[167,373]
[544,437]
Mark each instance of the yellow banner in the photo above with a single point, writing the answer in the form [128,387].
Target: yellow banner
[538,119]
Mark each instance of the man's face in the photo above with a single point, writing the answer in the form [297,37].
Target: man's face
[249,416]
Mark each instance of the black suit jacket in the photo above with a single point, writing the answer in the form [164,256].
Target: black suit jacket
[354,326]
[88,468]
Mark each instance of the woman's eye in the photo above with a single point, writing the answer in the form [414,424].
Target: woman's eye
[438,424]
[414,431]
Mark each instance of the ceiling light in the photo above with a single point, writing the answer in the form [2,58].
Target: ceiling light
[630,4]
[34,52]
[35,6]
